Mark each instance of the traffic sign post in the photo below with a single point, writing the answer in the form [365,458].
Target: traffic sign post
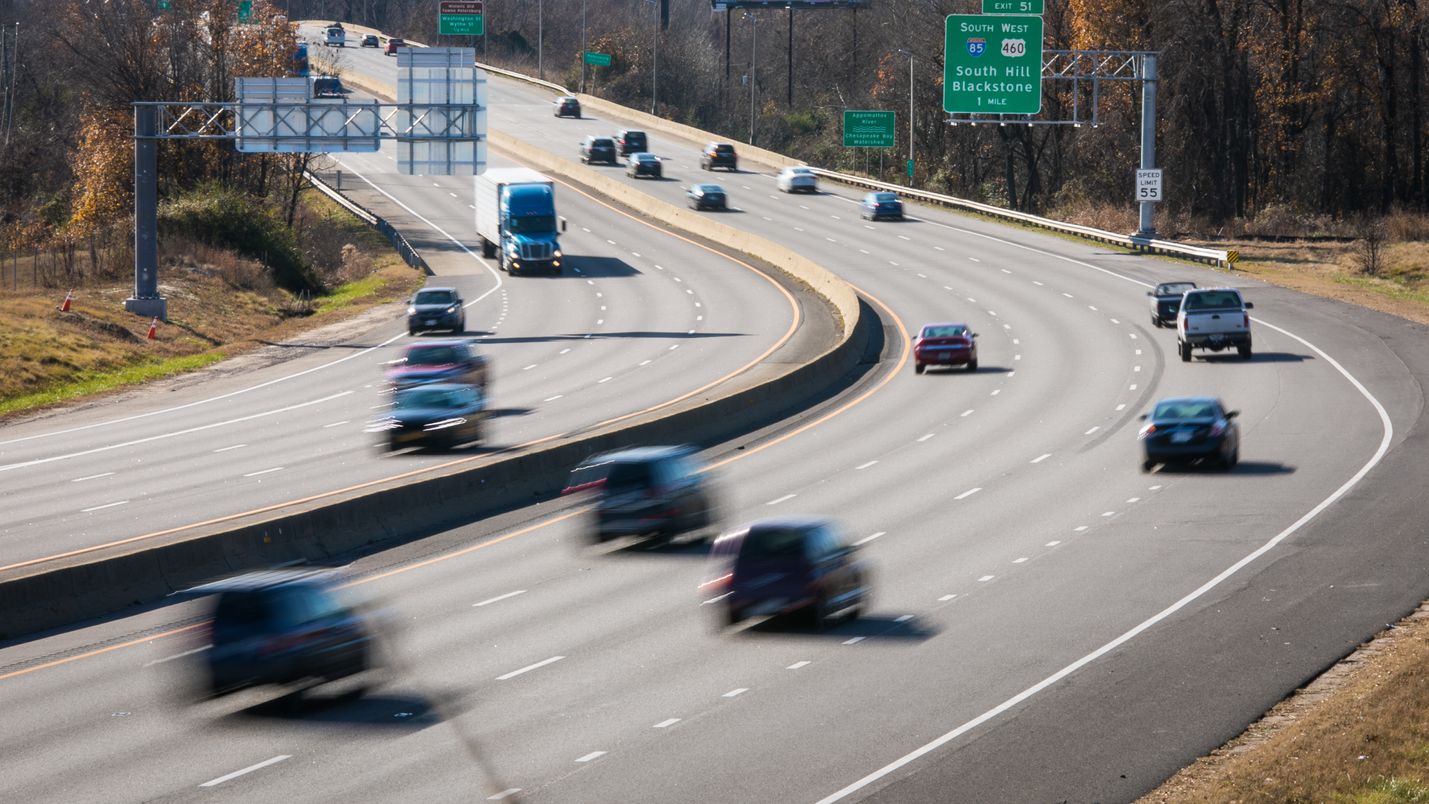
[992,64]
[1148,185]
[1013,7]
[869,129]
[461,18]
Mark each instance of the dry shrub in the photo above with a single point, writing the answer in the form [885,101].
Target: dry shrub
[356,264]
[236,272]
[1370,246]
[323,243]
[1406,227]
[1084,212]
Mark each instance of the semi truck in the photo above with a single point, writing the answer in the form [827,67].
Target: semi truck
[516,220]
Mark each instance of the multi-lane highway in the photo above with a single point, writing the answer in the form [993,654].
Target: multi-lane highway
[1048,624]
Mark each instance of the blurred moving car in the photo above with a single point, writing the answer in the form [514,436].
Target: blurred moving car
[434,415]
[945,345]
[798,180]
[393,45]
[283,627]
[436,308]
[567,106]
[439,361]
[643,164]
[327,86]
[1190,428]
[598,149]
[881,205]
[1166,302]
[646,491]
[719,154]
[631,141]
[370,40]
[707,196]
[782,566]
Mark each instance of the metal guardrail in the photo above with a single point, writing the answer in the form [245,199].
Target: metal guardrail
[404,249]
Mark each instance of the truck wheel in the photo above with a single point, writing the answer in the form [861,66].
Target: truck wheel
[918,368]
[1244,351]
[488,248]
[1185,352]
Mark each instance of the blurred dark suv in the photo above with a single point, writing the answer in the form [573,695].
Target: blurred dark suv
[782,566]
[646,491]
[599,149]
[718,154]
[629,141]
[283,627]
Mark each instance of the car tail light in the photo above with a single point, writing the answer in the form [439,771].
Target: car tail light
[1247,320]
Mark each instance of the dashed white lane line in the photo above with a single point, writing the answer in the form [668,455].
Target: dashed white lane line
[991,313]
[1093,430]
[1132,334]
[1108,513]
[864,251]
[995,392]
[1138,368]
[867,539]
[553,398]
[1015,357]
[1092,308]
[1132,387]
[970,492]
[567,349]
[590,756]
[665,724]
[1040,458]
[1138,352]
[1005,271]
[1079,528]
[269,470]
[102,507]
[528,368]
[528,668]
[866,465]
[1016,341]
[923,438]
[1021,560]
[258,766]
[939,248]
[735,692]
[673,347]
[971,300]
[336,424]
[1130,500]
[91,477]
[1053,543]
[970,259]
[946,598]
[498,598]
[767,218]
[373,407]
[986,578]
[1039,284]
[612,242]
[903,618]
[1153,488]
[1115,321]
[234,446]
[645,362]
[776,501]
[1068,295]
[854,640]
[504,794]
[635,254]
[603,380]
[453,195]
[797,665]
[966,413]
[1121,406]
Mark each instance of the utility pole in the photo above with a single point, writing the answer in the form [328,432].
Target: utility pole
[655,72]
[584,48]
[541,39]
[753,50]
[1148,137]
[789,84]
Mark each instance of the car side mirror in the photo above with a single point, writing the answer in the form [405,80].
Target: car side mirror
[1231,414]
[1250,305]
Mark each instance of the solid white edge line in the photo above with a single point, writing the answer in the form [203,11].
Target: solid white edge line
[498,598]
[265,763]
[591,755]
[1388,437]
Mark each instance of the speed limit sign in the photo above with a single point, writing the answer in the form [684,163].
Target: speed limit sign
[1148,185]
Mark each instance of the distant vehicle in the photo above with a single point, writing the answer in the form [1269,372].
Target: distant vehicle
[336,35]
[659,492]
[630,141]
[439,361]
[370,40]
[644,165]
[283,627]
[567,106]
[719,154]
[1215,319]
[798,180]
[707,196]
[298,60]
[440,415]
[881,205]
[1166,302]
[1190,428]
[326,86]
[782,566]
[516,219]
[393,45]
[945,345]
[598,149]
[436,308]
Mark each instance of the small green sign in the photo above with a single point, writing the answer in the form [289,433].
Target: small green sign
[869,129]
[910,168]
[597,59]
[992,64]
[1013,7]
[245,10]
[461,18]
[164,5]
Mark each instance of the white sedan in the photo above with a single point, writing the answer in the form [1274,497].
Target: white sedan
[798,180]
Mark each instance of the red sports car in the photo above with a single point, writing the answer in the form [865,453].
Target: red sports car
[945,345]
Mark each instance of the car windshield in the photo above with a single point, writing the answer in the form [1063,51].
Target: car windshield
[767,543]
[602,144]
[801,171]
[634,138]
[945,332]
[884,197]
[1213,300]
[326,85]
[628,475]
[533,224]
[1174,288]
[711,189]
[645,157]
[1187,409]
[724,149]
[434,297]
[432,356]
[427,398]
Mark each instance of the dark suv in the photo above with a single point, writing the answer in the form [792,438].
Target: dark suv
[629,141]
[283,627]
[780,566]
[567,106]
[655,491]
[436,308]
[718,154]
[599,149]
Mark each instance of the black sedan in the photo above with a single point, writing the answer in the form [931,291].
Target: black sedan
[438,415]
[643,164]
[707,196]
[1166,302]
[567,106]
[1190,428]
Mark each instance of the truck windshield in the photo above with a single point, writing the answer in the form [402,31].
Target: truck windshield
[533,224]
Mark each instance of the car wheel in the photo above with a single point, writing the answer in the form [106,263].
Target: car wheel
[972,365]
[733,616]
[1230,460]
[1185,352]
[819,614]
[918,368]
[1155,322]
[1244,351]
[411,332]
[1146,466]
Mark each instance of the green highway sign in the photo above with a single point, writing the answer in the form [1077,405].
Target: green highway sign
[869,129]
[597,59]
[992,64]
[245,10]
[1013,7]
[461,18]
[910,168]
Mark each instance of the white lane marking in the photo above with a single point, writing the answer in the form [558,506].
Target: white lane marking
[376,407]
[1016,341]
[603,380]
[528,668]
[635,254]
[1138,368]
[966,413]
[1068,295]
[853,640]
[1079,528]
[498,598]
[1053,543]
[453,195]
[1121,406]
[1154,488]
[921,439]
[785,498]
[528,368]
[904,237]
[796,665]
[970,492]
[767,218]
[259,766]
[865,465]
[986,578]
[1015,357]
[1133,499]
[991,313]
[590,756]
[971,300]
[102,507]
[1093,430]
[1133,334]
[973,259]
[665,724]
[177,656]
[867,539]
[612,242]
[1040,458]
[231,447]
[830,239]
[585,229]
[1138,351]
[1132,387]
[1092,308]
[264,471]
[939,248]
[894,264]
[737,691]
[471,206]
[507,793]
[336,424]
[91,477]
[1039,284]
[1021,560]
[567,349]
[1114,321]
[864,251]
[1108,513]
[946,598]
[677,279]
[673,347]
[645,362]
[995,392]
[1005,271]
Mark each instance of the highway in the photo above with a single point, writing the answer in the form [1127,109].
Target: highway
[1048,623]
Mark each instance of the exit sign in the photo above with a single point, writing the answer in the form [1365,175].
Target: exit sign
[1013,7]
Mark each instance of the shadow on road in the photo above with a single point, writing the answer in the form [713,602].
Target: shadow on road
[386,709]
[598,268]
[1241,468]
[872,626]
[1258,357]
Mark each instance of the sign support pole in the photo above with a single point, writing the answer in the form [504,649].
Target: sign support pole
[146,300]
[1148,137]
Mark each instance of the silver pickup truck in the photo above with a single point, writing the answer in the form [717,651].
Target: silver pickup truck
[1215,319]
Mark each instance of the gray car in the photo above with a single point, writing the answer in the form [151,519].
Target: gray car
[436,308]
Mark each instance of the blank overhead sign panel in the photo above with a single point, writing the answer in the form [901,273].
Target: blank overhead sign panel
[276,115]
[440,124]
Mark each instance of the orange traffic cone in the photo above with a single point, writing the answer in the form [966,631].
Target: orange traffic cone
[154,328]
[64,305]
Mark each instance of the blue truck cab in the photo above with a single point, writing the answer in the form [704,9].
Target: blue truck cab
[516,219]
